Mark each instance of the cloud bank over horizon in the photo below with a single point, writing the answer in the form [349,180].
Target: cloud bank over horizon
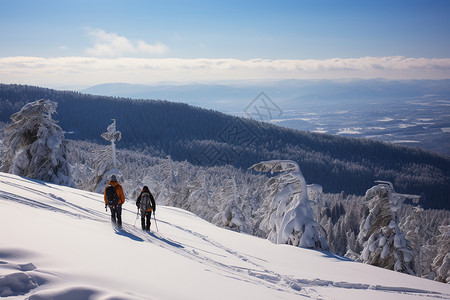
[87,71]
[113,45]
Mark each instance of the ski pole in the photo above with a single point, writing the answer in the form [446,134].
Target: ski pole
[154,217]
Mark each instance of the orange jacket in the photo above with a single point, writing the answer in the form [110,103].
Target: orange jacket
[119,192]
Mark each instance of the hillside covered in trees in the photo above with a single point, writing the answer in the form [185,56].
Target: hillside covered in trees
[206,137]
[377,228]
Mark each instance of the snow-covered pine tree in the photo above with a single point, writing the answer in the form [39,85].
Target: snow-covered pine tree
[290,219]
[384,244]
[36,146]
[230,215]
[441,263]
[417,233]
[3,150]
[170,183]
[198,196]
[106,164]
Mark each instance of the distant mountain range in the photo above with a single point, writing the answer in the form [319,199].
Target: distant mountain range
[409,112]
[207,137]
[229,96]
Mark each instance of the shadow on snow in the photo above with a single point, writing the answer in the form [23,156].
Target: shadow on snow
[127,234]
[170,243]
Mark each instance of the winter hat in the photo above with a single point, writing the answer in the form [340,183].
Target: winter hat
[113,178]
[145,188]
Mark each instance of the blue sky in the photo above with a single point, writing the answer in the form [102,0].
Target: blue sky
[156,32]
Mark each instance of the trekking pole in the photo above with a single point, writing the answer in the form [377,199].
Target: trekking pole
[154,217]
[137,216]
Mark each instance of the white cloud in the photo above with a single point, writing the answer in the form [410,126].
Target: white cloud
[87,71]
[113,45]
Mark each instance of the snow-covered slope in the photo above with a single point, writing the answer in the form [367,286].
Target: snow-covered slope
[57,242]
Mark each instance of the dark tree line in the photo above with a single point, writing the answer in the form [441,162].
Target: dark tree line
[207,137]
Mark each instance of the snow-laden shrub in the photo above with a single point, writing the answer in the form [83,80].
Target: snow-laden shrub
[383,241]
[36,146]
[290,219]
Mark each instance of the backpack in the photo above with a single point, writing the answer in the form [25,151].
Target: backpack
[111,195]
[146,203]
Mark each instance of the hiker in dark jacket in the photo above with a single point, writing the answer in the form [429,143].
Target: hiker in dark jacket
[116,208]
[146,203]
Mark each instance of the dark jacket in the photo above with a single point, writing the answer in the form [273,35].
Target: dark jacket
[152,200]
[119,192]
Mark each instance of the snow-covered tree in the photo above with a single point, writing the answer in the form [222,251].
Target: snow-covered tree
[106,163]
[198,195]
[441,262]
[417,233]
[291,218]
[3,151]
[231,215]
[36,145]
[384,243]
[112,135]
[170,182]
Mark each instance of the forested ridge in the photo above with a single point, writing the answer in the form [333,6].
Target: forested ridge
[207,137]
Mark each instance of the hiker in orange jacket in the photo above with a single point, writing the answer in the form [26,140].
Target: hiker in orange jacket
[114,198]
